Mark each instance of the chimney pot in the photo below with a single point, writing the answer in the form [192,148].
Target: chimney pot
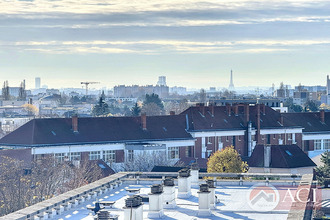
[144,121]
[172,112]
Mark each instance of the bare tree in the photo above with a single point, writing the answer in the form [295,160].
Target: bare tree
[144,162]
[21,186]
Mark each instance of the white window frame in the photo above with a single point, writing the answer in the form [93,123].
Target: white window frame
[94,155]
[109,156]
[173,153]
[318,143]
[75,156]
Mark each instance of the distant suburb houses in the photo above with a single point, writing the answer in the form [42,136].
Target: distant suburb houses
[195,133]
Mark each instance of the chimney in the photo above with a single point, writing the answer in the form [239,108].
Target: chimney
[75,123]
[169,193]
[246,113]
[202,109]
[267,156]
[156,202]
[258,124]
[144,121]
[172,112]
[204,204]
[236,110]
[212,110]
[184,183]
[263,109]
[212,194]
[322,116]
[228,108]
[133,208]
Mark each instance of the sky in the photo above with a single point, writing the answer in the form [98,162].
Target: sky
[193,43]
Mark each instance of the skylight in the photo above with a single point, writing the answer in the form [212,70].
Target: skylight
[53,132]
[102,166]
[288,152]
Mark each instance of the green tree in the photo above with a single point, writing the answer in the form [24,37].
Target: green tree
[101,108]
[153,98]
[311,106]
[226,161]
[323,172]
[136,110]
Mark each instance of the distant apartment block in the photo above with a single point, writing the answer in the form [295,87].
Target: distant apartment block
[37,83]
[136,91]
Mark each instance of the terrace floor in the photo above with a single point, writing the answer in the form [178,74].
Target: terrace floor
[233,204]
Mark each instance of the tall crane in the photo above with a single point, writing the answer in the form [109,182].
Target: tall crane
[87,83]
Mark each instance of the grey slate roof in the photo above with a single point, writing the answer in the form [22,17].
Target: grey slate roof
[282,156]
[56,131]
[221,120]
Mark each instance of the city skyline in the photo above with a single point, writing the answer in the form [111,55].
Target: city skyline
[195,44]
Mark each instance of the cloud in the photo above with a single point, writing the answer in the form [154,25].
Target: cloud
[163,46]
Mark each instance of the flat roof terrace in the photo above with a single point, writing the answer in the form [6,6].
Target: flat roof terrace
[239,197]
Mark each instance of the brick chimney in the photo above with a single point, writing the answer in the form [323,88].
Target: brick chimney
[228,108]
[172,112]
[212,110]
[75,123]
[263,109]
[236,109]
[202,109]
[247,112]
[322,117]
[144,121]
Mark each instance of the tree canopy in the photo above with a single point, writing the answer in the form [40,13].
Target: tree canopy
[101,108]
[136,110]
[323,172]
[226,161]
[153,98]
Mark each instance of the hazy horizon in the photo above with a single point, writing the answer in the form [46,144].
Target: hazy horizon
[194,43]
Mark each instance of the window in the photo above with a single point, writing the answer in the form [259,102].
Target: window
[206,140]
[289,136]
[326,144]
[268,138]
[59,157]
[239,138]
[274,136]
[188,151]
[109,156]
[94,155]
[173,152]
[317,144]
[130,155]
[227,138]
[75,156]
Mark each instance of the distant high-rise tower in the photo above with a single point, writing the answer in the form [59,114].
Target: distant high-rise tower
[161,81]
[37,82]
[328,85]
[231,84]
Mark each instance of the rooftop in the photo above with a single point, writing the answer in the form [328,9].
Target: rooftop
[232,197]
